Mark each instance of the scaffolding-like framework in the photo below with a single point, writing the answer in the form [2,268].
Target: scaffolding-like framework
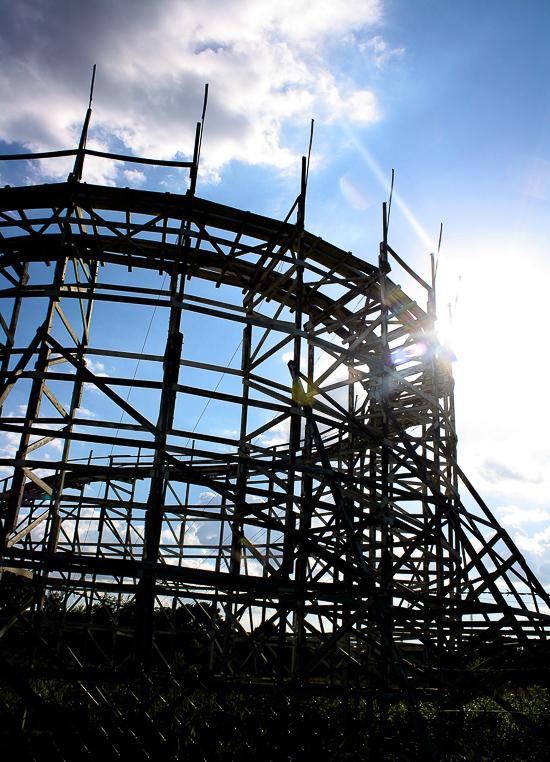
[309,517]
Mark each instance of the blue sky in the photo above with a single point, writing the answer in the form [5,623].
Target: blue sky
[452,95]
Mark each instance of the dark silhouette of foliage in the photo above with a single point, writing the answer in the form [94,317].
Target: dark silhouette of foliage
[188,721]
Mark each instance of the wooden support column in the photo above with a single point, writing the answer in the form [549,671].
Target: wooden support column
[11,329]
[386,535]
[145,597]
[76,398]
[237,532]
[436,439]
[287,565]
[35,396]
[302,556]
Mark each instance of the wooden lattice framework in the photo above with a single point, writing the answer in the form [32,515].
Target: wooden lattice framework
[339,558]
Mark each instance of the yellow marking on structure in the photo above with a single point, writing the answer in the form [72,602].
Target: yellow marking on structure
[300,396]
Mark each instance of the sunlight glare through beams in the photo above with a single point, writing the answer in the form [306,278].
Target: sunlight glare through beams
[373,165]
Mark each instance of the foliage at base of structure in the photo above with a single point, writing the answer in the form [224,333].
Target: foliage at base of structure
[229,726]
[81,708]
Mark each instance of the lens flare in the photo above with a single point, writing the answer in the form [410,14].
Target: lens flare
[402,355]
[371,162]
[352,195]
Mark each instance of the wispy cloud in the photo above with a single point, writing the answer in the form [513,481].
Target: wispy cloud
[380,51]
[494,470]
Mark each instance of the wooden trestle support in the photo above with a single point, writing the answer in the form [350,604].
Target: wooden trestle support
[315,520]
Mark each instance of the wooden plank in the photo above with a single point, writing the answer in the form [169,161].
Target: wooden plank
[20,367]
[66,324]
[24,532]
[406,267]
[90,377]
[40,443]
[53,399]
[128,159]
[7,275]
[38,155]
[6,329]
[38,481]
[28,573]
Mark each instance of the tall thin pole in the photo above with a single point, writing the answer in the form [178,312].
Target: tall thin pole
[76,174]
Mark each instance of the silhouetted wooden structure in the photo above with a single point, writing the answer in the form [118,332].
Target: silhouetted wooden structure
[314,522]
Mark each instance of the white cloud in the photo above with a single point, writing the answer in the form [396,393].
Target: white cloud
[83,412]
[11,439]
[208,498]
[252,567]
[11,443]
[134,177]
[267,64]
[56,444]
[515,516]
[278,435]
[288,356]
[538,544]
[95,367]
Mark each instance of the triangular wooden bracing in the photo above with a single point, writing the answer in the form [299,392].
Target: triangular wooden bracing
[300,511]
